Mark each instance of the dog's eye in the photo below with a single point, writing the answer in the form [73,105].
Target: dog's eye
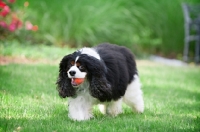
[81,67]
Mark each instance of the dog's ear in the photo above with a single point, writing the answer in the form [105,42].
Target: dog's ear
[100,88]
[64,86]
[99,85]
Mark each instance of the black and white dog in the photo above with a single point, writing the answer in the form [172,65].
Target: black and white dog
[104,75]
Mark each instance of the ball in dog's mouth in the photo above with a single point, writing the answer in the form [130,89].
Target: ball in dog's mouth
[77,81]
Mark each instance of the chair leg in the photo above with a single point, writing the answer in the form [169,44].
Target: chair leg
[197,51]
[186,42]
[197,47]
[186,49]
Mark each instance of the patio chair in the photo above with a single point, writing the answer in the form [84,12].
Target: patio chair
[192,29]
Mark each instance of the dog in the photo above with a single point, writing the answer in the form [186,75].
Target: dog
[105,75]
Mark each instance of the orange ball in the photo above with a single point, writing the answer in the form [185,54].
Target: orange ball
[78,80]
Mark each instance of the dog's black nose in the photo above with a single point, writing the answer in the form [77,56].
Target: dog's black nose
[72,73]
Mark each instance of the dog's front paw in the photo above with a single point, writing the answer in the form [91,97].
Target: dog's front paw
[79,108]
[80,116]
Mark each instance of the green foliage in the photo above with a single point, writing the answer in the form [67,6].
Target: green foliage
[153,26]
[29,102]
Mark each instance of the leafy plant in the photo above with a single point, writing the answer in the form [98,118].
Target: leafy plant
[143,26]
[12,21]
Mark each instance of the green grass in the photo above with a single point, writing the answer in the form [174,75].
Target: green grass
[29,102]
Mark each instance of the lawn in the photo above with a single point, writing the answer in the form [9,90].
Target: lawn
[29,101]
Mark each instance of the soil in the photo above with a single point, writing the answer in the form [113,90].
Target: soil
[5,60]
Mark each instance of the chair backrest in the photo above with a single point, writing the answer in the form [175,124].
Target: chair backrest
[191,11]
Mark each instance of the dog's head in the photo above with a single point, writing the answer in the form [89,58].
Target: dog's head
[77,72]
[79,67]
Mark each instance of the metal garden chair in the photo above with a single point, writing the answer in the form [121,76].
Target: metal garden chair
[192,29]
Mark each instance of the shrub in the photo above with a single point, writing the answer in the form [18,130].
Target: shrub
[143,26]
[12,20]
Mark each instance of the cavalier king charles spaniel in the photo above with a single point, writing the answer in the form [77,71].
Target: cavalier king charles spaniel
[105,75]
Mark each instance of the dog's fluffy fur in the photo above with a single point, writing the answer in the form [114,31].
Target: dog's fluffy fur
[110,78]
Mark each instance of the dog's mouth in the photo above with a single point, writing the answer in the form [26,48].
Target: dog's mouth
[76,81]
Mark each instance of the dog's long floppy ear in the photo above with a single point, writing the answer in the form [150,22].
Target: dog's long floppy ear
[99,86]
[64,86]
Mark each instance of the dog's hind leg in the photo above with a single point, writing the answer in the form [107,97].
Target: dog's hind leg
[134,96]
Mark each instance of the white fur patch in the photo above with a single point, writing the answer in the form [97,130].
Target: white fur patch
[114,107]
[77,58]
[80,108]
[134,96]
[90,52]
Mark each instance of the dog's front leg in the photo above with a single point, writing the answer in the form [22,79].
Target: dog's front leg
[79,108]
